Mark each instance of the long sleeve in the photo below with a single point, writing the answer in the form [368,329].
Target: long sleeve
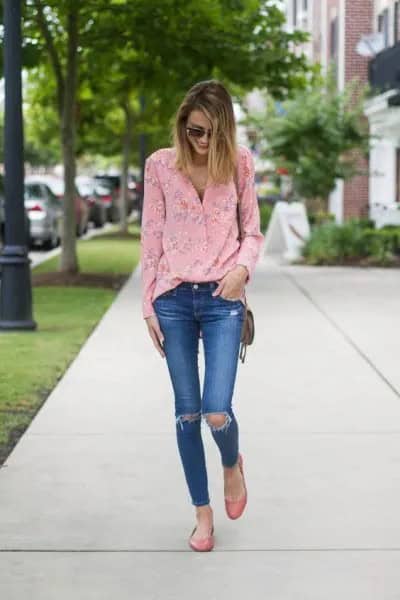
[253,239]
[153,219]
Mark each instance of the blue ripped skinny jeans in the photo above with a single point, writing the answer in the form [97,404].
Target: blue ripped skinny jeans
[182,312]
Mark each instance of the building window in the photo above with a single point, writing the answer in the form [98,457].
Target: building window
[333,46]
[396,22]
[294,13]
[383,26]
[305,4]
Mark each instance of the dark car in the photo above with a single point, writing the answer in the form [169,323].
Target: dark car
[96,196]
[136,185]
[114,183]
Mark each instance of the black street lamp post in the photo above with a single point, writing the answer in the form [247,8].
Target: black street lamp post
[15,288]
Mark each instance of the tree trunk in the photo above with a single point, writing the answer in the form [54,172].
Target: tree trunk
[69,259]
[318,204]
[126,152]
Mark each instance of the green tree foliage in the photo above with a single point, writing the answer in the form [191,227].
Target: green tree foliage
[42,123]
[104,54]
[241,42]
[159,49]
[318,136]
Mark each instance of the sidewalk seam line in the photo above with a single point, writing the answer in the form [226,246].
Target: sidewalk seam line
[348,339]
[227,550]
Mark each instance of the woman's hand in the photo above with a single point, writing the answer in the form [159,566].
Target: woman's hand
[232,284]
[156,333]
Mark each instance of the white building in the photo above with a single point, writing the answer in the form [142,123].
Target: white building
[338,28]
[383,112]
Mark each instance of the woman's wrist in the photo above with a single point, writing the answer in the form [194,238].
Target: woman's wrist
[243,269]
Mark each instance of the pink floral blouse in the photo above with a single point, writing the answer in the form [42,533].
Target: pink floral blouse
[186,239]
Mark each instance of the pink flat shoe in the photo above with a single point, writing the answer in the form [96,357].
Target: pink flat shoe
[205,544]
[234,508]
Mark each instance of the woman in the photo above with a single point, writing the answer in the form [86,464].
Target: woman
[194,271]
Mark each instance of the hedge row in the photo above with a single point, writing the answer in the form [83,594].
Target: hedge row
[356,239]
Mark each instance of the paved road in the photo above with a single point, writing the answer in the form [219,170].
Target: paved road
[93,503]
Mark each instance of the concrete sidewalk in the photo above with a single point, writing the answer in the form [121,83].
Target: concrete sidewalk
[93,502]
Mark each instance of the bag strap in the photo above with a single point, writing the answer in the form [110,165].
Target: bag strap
[239,217]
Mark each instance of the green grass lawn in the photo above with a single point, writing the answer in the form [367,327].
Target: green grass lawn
[102,254]
[33,361]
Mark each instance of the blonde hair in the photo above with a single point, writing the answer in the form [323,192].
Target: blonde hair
[213,99]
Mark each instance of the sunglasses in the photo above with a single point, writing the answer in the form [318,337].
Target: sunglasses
[198,132]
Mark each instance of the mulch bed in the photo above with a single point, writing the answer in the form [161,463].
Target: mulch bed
[97,280]
[119,235]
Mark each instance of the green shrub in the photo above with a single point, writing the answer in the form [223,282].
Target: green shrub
[389,227]
[265,215]
[382,243]
[320,217]
[334,244]
[321,247]
[364,222]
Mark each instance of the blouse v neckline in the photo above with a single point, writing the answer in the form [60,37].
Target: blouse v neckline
[188,180]
[208,183]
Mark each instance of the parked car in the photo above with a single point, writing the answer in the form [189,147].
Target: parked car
[56,185]
[94,193]
[45,215]
[136,185]
[3,217]
[114,183]
[109,200]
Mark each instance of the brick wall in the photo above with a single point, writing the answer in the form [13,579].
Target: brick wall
[356,192]
[358,21]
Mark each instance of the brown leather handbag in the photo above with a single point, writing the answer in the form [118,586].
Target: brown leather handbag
[248,328]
